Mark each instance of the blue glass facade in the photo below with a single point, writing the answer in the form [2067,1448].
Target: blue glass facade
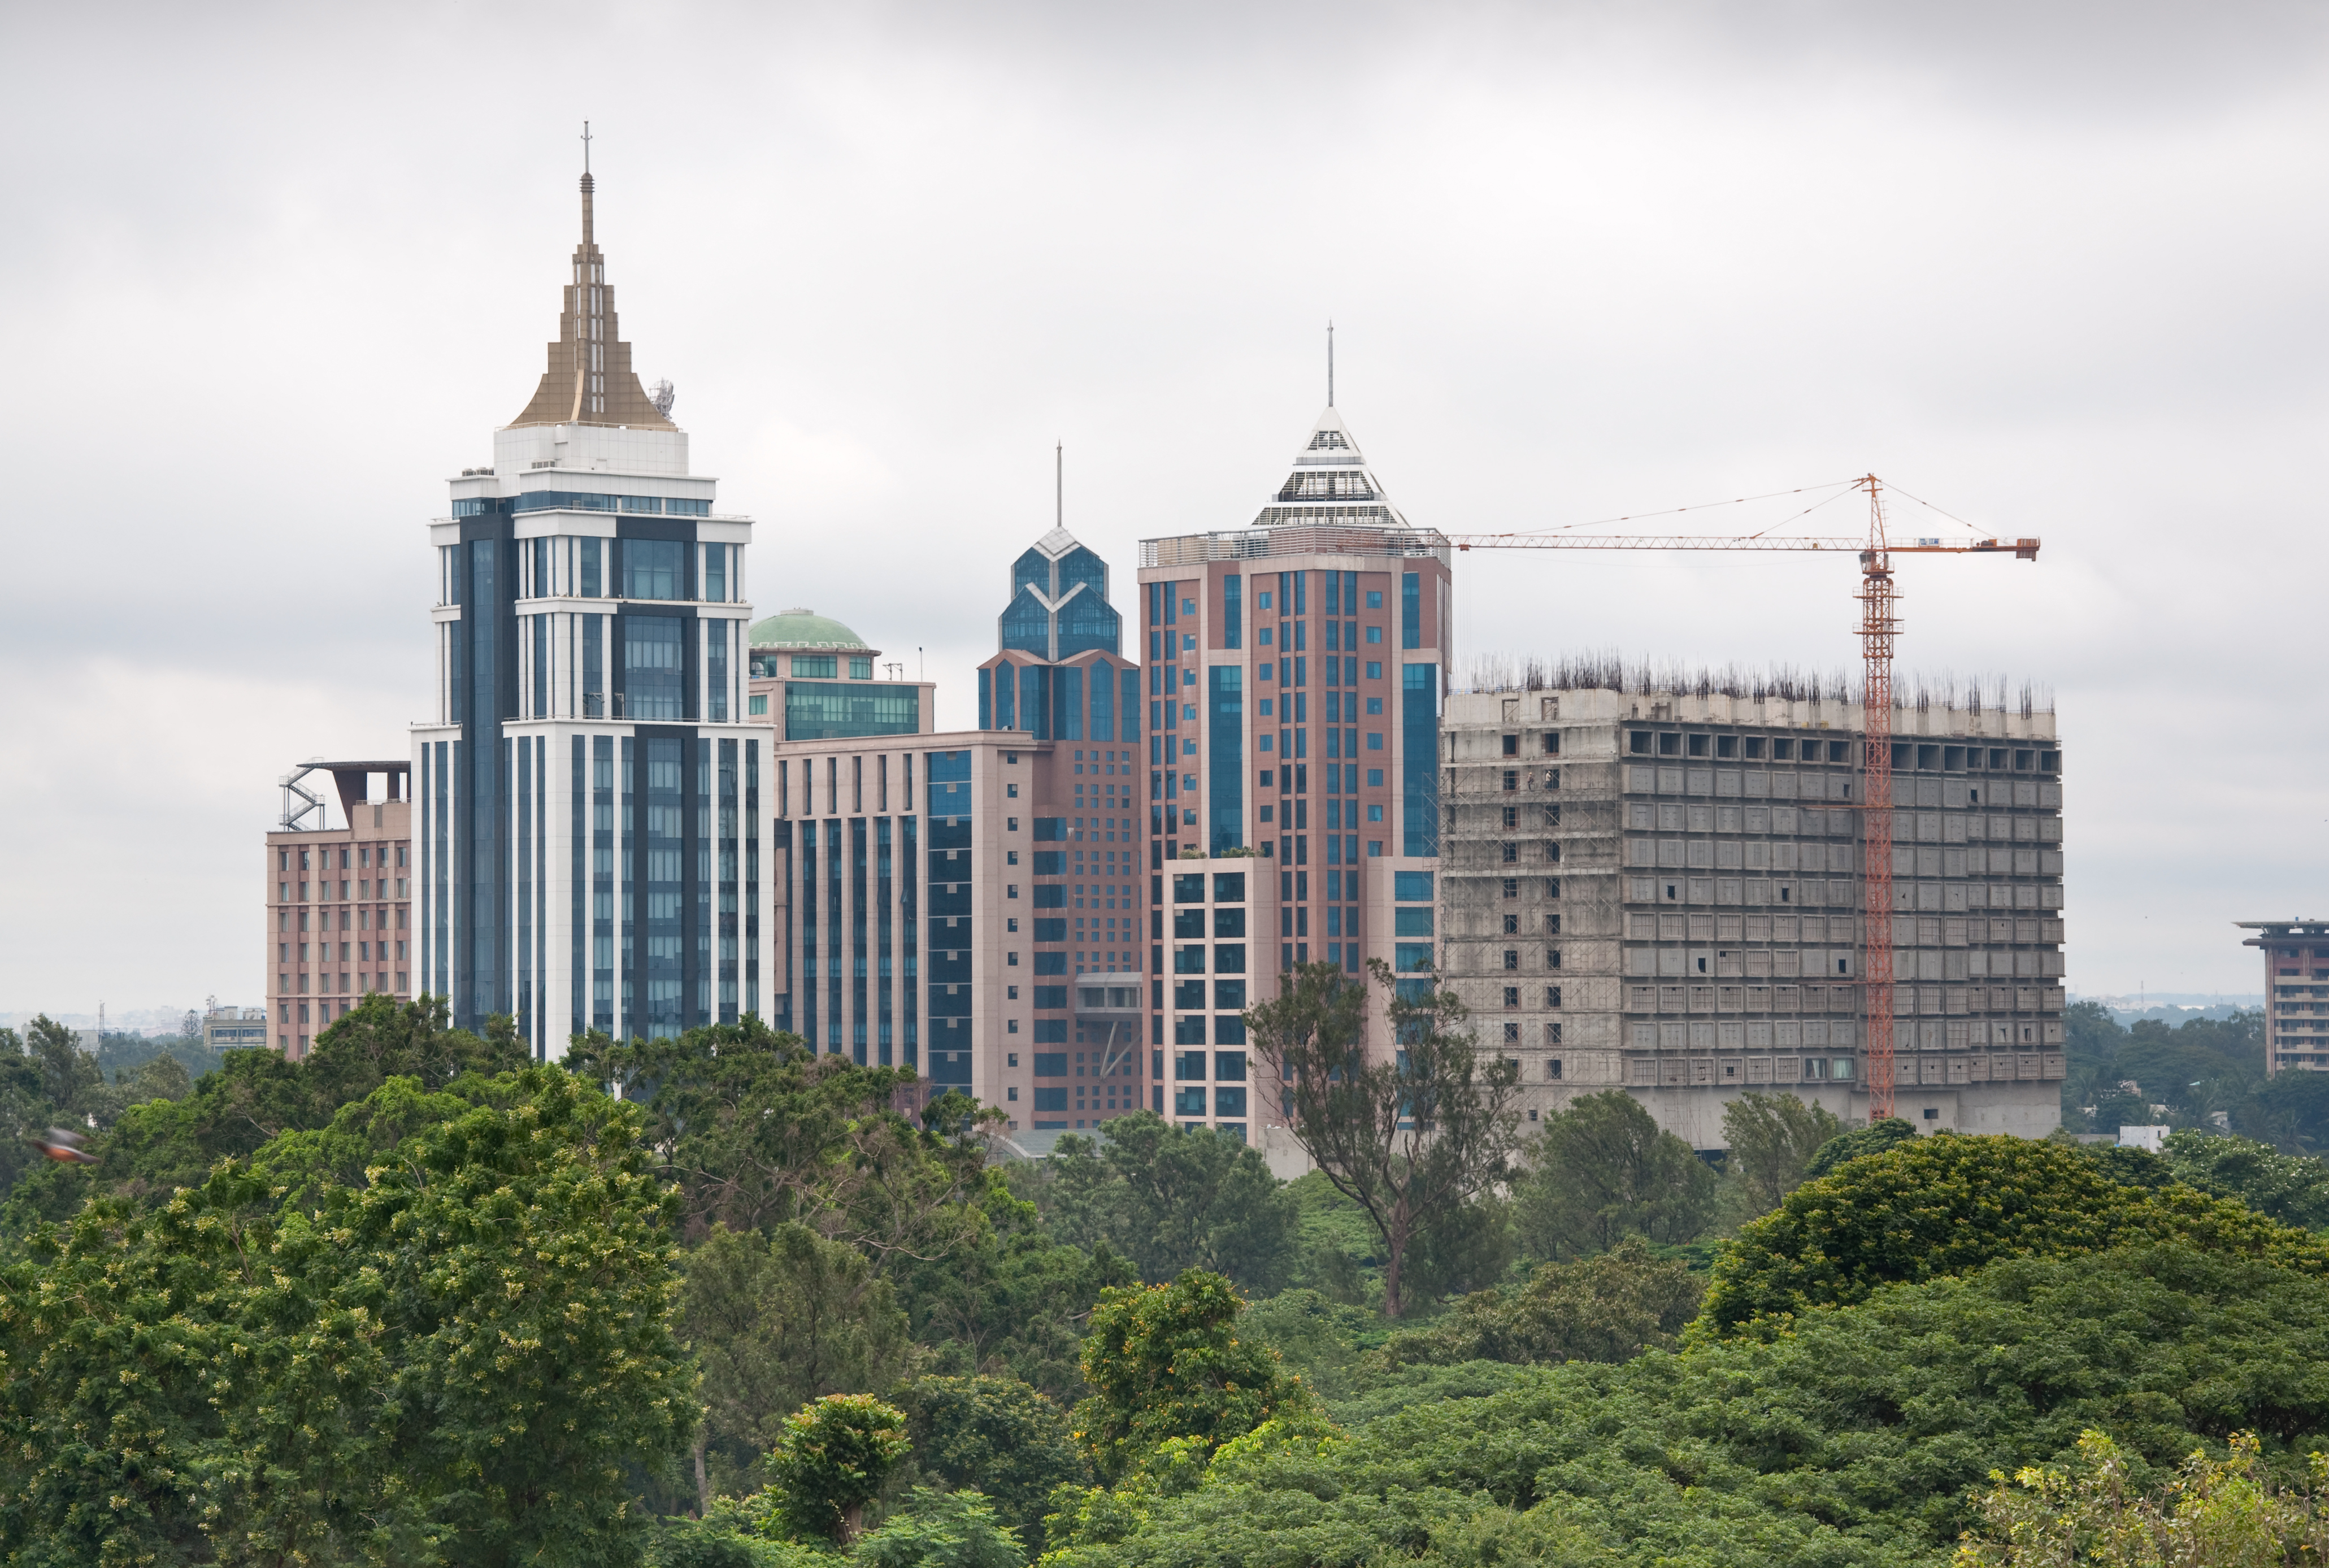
[1225,763]
[1418,741]
[1059,605]
[949,827]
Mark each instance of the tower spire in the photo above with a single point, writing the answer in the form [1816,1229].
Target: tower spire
[589,380]
[588,186]
[1059,485]
[1330,362]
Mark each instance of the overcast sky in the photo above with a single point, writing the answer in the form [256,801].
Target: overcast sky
[273,273]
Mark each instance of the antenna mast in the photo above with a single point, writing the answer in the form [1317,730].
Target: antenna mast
[1330,363]
[1059,485]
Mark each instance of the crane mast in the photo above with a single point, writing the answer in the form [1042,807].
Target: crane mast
[1879,629]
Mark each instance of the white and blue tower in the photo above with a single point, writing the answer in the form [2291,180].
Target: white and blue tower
[587,802]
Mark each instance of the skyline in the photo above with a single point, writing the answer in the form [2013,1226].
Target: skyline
[1600,267]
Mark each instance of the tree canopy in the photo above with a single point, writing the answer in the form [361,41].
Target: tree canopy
[1947,1204]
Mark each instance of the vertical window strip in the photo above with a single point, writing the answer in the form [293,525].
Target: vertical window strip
[578,1014]
[908,919]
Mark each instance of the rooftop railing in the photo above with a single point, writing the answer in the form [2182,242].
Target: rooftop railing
[1294,539]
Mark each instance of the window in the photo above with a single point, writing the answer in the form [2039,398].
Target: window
[652,667]
[1512,887]
[816,666]
[861,669]
[1552,995]
[653,568]
[1511,745]
[1511,996]
[1512,958]
[1512,1032]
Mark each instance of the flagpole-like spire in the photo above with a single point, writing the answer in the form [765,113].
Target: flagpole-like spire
[587,184]
[1330,363]
[1059,485]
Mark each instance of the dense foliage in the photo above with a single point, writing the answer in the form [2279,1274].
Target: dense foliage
[1166,1362]
[1947,1204]
[1855,1439]
[457,1357]
[721,1300]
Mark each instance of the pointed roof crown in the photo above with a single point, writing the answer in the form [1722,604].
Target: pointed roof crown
[1331,483]
[589,381]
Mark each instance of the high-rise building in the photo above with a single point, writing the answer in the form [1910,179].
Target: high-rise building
[1061,681]
[2296,992]
[970,904]
[589,794]
[1294,675]
[1662,890]
[338,904]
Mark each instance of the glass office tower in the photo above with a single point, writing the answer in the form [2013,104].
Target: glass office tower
[588,801]
[1294,672]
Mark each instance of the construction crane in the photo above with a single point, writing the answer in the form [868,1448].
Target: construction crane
[1880,628]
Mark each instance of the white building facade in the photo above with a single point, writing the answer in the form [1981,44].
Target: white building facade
[587,800]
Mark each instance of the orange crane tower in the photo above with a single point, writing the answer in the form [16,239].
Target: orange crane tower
[1880,628]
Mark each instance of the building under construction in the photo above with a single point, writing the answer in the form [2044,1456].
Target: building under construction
[1662,890]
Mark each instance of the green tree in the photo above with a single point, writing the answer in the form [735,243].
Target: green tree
[1166,1362]
[457,1361]
[1602,1170]
[936,1529]
[520,1257]
[1173,1198]
[1851,1441]
[2228,1513]
[26,1109]
[1772,1138]
[1947,1203]
[2290,1188]
[1607,1307]
[776,1319]
[1006,1300]
[1874,1139]
[832,1458]
[1408,1132]
[997,1435]
[758,1131]
[255,1096]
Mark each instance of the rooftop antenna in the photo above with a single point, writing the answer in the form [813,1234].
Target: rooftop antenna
[1059,485]
[588,186]
[1330,362]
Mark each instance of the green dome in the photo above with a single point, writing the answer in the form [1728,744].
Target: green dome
[804,628]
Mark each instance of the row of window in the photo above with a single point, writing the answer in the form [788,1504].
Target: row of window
[364,918]
[323,890]
[811,666]
[324,951]
[365,982]
[584,500]
[362,853]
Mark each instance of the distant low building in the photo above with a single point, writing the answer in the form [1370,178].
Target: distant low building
[2296,992]
[235,1028]
[338,901]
